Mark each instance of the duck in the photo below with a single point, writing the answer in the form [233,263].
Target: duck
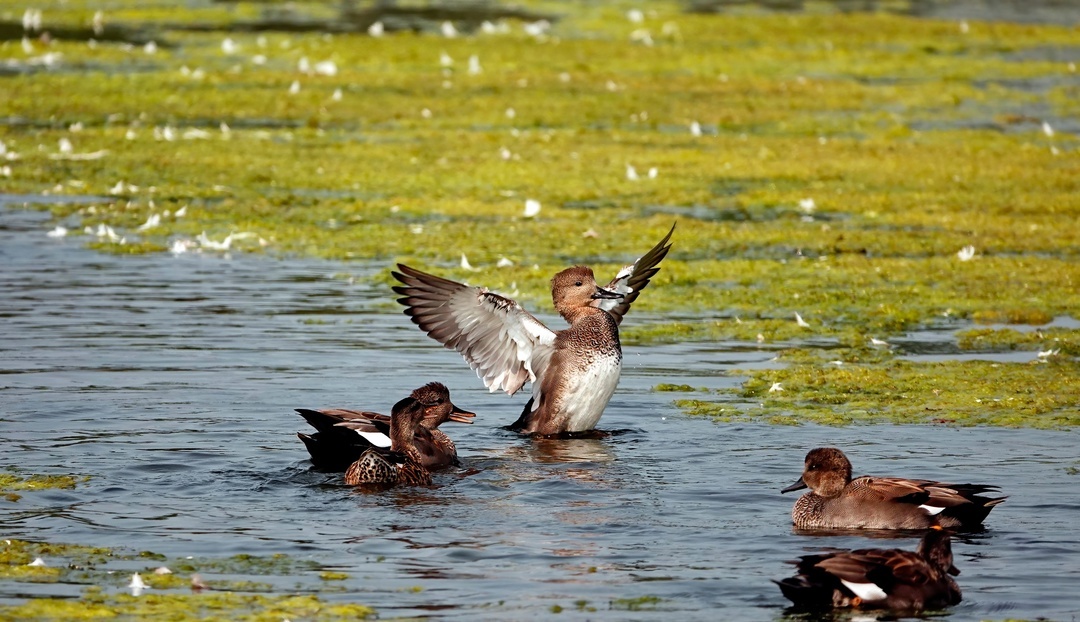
[574,371]
[343,434]
[401,464]
[836,501]
[892,579]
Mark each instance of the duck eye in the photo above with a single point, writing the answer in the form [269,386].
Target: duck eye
[578,284]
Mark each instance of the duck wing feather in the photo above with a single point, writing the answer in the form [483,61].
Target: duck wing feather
[502,342]
[633,278]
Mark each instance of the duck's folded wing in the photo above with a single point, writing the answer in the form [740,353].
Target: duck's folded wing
[326,419]
[906,568]
[633,278]
[952,495]
[851,566]
[894,489]
[501,341]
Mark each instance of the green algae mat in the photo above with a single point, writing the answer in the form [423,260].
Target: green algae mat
[837,179]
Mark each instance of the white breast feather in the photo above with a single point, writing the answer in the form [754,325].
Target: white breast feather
[588,393]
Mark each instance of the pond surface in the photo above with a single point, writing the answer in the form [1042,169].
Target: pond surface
[170,380]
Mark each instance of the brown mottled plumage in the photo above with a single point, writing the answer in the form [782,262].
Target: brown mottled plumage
[338,442]
[401,464]
[836,501]
[878,578]
[574,371]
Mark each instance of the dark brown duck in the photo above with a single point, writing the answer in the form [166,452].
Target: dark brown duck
[878,578]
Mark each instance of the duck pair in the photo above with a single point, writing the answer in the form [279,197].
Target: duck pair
[400,449]
[880,578]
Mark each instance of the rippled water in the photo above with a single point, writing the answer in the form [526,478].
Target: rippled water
[171,381]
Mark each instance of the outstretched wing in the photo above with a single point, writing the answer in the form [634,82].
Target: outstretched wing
[632,279]
[501,341]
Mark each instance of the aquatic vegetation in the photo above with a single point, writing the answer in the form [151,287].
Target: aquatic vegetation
[641,603]
[14,481]
[1050,342]
[826,165]
[1034,394]
[219,605]
[247,564]
[667,387]
[19,560]
[170,592]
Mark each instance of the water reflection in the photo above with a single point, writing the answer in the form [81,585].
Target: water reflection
[549,451]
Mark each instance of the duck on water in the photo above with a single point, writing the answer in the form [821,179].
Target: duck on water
[343,435]
[836,501]
[573,371]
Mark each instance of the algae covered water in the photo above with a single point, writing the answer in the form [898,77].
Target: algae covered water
[170,381]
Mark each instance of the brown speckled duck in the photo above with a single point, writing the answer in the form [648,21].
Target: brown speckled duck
[836,501]
[343,434]
[878,578]
[401,464]
[574,371]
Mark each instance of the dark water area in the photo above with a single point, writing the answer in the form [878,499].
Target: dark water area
[170,381]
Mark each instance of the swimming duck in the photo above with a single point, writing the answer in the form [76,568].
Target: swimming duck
[574,371]
[836,501]
[344,434]
[878,578]
[401,464]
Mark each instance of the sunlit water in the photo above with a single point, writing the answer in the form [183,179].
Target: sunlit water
[171,380]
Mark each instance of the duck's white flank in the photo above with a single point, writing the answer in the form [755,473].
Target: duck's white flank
[866,591]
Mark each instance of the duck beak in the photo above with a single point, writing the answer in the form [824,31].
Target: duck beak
[605,293]
[798,485]
[461,416]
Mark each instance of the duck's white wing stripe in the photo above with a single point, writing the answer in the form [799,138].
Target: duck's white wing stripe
[932,510]
[494,335]
[378,439]
[866,591]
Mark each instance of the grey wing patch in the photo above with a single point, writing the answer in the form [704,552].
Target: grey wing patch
[633,278]
[494,334]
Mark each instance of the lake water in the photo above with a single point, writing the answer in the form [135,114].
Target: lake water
[170,380]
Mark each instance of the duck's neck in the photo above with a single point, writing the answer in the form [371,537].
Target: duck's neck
[576,313]
[402,429]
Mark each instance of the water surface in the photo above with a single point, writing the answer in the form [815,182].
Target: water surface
[170,380]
